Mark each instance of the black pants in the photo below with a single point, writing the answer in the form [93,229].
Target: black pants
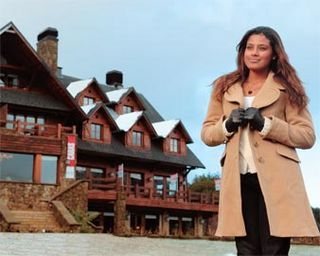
[258,240]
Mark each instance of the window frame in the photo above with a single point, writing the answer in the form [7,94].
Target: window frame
[137,138]
[35,169]
[88,101]
[94,132]
[174,145]
[126,109]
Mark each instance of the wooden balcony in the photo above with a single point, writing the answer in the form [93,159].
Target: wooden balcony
[141,196]
[32,138]
[31,129]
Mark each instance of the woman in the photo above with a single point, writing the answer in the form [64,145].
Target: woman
[259,112]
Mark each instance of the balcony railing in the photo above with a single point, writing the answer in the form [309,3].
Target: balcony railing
[32,129]
[142,192]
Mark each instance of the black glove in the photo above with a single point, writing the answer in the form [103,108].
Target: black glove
[254,117]
[235,119]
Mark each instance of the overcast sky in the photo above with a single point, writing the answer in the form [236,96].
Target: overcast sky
[171,50]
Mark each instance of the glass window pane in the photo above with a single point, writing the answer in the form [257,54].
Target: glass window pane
[80,172]
[158,184]
[10,118]
[97,173]
[95,131]
[137,138]
[16,167]
[30,120]
[172,186]
[49,169]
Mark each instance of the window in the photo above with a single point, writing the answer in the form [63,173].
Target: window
[88,101]
[80,172]
[170,183]
[20,167]
[95,131]
[158,184]
[89,172]
[137,138]
[97,173]
[133,178]
[174,145]
[16,167]
[29,119]
[49,169]
[127,109]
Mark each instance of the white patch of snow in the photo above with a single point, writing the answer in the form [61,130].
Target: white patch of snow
[115,96]
[78,86]
[163,128]
[86,109]
[126,121]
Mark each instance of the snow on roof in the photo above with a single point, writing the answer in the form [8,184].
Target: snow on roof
[116,95]
[126,121]
[5,28]
[75,87]
[113,113]
[86,109]
[163,128]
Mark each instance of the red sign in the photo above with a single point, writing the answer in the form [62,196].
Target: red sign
[71,150]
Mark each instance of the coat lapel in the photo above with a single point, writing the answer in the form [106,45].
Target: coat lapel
[235,94]
[268,94]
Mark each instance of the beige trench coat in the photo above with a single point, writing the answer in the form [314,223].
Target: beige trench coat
[277,162]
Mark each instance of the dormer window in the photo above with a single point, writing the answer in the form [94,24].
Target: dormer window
[137,139]
[174,145]
[88,101]
[96,131]
[127,109]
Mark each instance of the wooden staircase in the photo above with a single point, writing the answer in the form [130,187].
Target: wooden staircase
[34,221]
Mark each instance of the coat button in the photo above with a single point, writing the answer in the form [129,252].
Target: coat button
[260,160]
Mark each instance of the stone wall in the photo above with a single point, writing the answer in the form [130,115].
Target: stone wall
[75,197]
[23,196]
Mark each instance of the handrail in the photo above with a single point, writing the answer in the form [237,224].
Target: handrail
[34,129]
[5,212]
[178,196]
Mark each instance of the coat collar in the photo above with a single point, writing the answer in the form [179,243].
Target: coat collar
[267,95]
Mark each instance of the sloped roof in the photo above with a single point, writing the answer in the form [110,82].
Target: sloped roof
[93,108]
[76,87]
[116,95]
[126,121]
[88,108]
[164,128]
[11,38]
[154,155]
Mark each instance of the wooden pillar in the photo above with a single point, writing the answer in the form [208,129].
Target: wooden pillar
[37,168]
[165,223]
[143,224]
[198,226]
[180,226]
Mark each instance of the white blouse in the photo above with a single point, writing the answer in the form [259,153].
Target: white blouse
[246,158]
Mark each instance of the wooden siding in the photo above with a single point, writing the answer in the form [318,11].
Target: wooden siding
[30,144]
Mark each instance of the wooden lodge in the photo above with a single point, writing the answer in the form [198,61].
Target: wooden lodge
[77,152]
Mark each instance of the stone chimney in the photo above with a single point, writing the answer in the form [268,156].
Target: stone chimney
[114,78]
[47,48]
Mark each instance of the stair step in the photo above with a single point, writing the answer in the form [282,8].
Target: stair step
[35,221]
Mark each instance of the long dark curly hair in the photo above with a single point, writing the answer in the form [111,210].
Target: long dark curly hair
[284,73]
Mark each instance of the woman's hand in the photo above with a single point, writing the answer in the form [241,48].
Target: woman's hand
[235,119]
[254,117]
